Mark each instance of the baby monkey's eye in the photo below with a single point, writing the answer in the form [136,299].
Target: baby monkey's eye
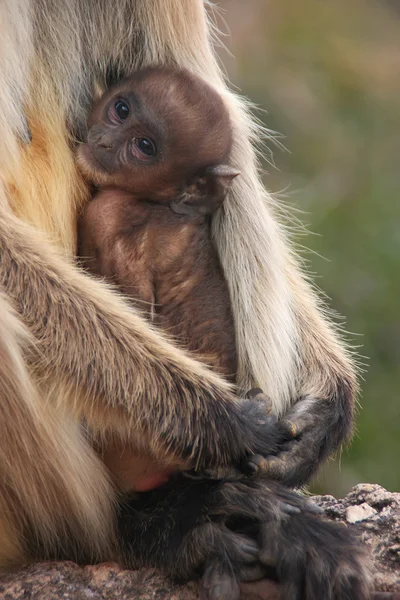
[122,109]
[146,146]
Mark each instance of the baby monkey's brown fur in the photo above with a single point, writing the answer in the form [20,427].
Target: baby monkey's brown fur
[158,149]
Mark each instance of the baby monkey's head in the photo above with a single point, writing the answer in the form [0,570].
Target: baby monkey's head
[156,133]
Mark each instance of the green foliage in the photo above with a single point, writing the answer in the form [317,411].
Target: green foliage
[328,73]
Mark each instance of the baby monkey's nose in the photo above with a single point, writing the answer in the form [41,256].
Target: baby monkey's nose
[101,139]
[103,142]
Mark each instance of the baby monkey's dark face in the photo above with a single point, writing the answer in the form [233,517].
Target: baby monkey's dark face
[124,145]
[153,132]
[123,138]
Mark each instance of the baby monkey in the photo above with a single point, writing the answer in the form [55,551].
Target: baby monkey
[157,152]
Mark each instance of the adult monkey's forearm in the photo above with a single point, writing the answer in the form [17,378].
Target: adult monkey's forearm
[89,338]
[120,375]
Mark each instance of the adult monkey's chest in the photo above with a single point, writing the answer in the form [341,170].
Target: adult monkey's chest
[47,190]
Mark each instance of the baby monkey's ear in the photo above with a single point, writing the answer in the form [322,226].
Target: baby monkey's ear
[205,192]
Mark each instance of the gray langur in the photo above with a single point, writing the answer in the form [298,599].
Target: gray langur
[73,351]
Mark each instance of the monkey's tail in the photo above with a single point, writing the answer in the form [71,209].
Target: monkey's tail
[55,498]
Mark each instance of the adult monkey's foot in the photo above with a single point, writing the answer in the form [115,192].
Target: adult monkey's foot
[241,531]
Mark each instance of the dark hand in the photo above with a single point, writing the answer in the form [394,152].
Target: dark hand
[313,431]
[298,458]
[265,436]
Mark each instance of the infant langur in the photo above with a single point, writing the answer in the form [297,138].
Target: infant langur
[158,150]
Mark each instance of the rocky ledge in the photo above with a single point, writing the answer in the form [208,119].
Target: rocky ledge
[370,509]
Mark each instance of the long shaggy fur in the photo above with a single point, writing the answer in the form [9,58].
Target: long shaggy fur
[65,483]
[92,357]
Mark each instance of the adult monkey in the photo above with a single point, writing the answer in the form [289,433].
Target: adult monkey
[72,350]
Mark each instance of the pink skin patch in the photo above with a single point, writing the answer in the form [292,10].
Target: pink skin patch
[136,473]
[152,481]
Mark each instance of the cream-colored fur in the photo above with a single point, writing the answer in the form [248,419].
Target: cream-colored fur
[61,490]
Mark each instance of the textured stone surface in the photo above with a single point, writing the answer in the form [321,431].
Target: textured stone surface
[364,511]
[68,581]
[374,512]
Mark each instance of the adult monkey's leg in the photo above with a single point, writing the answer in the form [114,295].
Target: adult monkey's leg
[53,489]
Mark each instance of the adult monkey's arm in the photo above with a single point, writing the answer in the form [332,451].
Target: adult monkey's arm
[122,375]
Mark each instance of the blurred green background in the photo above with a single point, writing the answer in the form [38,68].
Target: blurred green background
[327,75]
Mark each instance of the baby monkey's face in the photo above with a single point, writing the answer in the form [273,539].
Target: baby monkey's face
[151,133]
[124,145]
[134,139]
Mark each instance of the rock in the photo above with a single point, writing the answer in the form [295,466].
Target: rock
[363,511]
[375,495]
[375,515]
[66,580]
[369,509]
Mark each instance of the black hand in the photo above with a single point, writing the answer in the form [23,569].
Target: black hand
[315,429]
[261,435]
